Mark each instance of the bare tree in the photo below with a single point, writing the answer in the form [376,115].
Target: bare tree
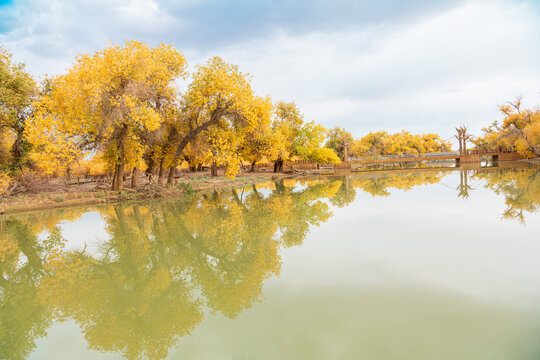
[462,136]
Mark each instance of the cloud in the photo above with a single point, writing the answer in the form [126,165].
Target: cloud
[363,65]
[432,75]
[60,29]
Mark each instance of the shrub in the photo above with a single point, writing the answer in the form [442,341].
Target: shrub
[187,188]
[5,182]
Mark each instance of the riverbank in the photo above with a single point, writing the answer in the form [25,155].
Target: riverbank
[42,194]
[59,193]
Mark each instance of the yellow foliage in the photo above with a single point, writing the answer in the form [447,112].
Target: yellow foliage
[97,165]
[5,182]
[520,130]
[382,143]
[105,102]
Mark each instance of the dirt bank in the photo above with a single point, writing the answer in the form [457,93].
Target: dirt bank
[58,193]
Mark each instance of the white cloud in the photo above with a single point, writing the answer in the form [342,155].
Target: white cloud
[430,73]
[449,69]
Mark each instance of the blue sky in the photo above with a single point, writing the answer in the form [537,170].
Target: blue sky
[420,65]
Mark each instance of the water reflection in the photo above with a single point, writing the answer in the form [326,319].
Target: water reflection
[164,264]
[168,263]
[520,188]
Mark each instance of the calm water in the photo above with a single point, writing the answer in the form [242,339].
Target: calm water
[403,265]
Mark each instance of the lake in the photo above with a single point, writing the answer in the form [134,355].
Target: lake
[417,264]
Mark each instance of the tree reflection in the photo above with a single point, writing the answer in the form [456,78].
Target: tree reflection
[23,318]
[345,194]
[520,188]
[463,188]
[380,184]
[166,263]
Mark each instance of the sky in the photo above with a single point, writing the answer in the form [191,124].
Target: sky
[418,65]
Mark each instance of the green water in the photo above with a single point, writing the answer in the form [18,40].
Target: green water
[402,265]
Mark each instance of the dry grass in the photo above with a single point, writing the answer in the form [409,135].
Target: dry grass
[35,194]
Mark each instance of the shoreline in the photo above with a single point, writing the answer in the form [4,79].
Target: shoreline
[87,194]
[35,201]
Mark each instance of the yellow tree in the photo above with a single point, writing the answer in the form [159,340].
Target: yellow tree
[520,130]
[374,143]
[286,125]
[403,142]
[219,99]
[260,143]
[108,101]
[296,139]
[308,144]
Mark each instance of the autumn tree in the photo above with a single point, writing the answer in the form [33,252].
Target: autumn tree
[374,143]
[220,102]
[403,142]
[340,140]
[17,92]
[520,130]
[309,145]
[109,102]
[260,143]
[297,139]
[286,125]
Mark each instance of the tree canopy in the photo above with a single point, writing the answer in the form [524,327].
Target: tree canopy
[107,102]
[520,130]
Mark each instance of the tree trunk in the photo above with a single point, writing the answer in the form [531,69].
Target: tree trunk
[278,165]
[161,171]
[16,151]
[191,165]
[253,166]
[120,177]
[135,178]
[214,118]
[151,165]
[170,178]
[118,180]
[345,153]
[199,167]
[213,170]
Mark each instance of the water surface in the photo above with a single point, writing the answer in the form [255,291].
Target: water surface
[431,264]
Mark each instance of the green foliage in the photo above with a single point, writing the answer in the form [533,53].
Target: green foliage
[340,141]
[17,92]
[186,188]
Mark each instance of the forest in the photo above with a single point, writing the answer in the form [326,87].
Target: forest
[135,111]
